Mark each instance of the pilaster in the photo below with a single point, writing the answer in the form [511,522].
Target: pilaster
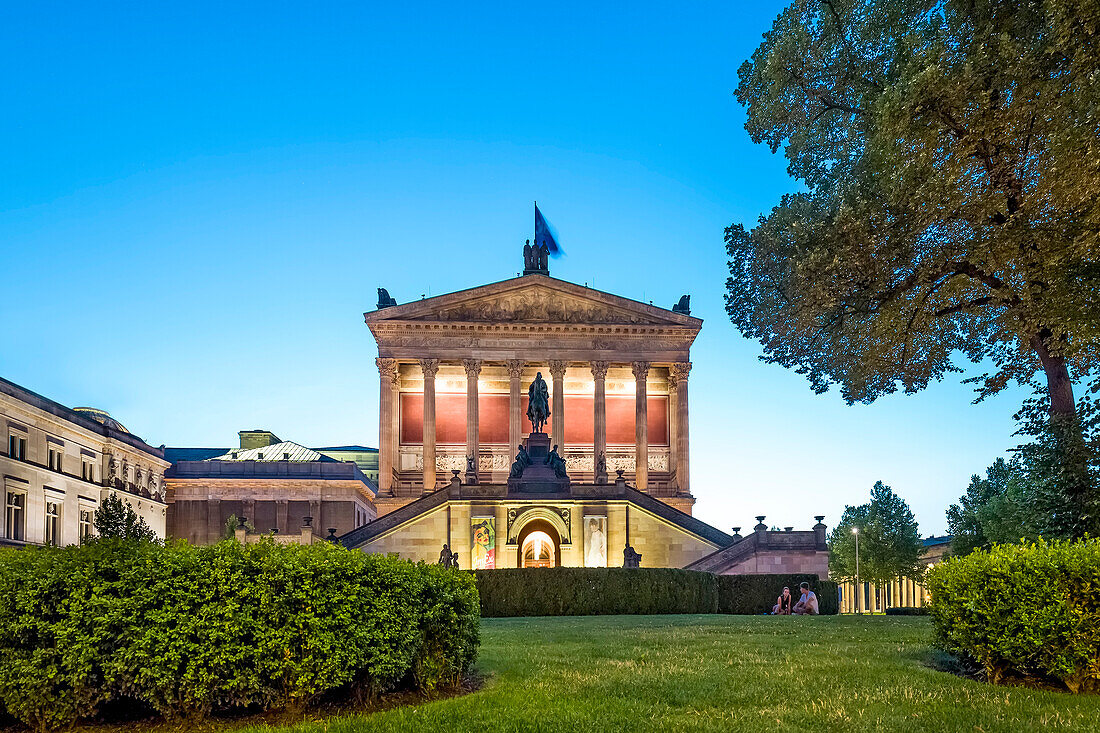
[599,417]
[515,425]
[641,425]
[473,447]
[387,449]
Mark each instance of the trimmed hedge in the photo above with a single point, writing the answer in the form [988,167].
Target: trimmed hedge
[184,630]
[907,611]
[1029,611]
[602,591]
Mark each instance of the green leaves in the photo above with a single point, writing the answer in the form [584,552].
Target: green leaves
[115,519]
[1028,611]
[188,630]
[950,154]
[889,542]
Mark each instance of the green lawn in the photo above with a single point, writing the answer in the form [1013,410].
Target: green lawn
[721,673]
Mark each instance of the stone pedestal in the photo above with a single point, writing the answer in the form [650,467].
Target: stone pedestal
[538,478]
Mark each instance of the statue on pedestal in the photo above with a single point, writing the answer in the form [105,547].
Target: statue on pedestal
[601,469]
[447,558]
[631,558]
[538,403]
[556,463]
[523,460]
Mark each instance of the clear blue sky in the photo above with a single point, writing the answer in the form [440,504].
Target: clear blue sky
[199,200]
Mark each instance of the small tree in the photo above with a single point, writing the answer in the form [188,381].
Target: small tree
[115,519]
[889,541]
[231,524]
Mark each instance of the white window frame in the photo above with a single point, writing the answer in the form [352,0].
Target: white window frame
[82,535]
[10,491]
[55,449]
[17,439]
[87,468]
[52,538]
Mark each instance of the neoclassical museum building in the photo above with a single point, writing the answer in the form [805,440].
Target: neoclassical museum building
[607,478]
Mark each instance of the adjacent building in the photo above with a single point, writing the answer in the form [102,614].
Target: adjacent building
[61,463]
[276,486]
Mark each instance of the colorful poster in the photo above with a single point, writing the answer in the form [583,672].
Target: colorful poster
[483,541]
[595,541]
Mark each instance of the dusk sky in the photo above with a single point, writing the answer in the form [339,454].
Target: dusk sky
[199,201]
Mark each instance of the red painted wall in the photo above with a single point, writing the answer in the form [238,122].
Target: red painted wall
[450,419]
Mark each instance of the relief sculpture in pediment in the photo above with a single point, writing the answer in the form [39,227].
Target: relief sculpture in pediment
[538,307]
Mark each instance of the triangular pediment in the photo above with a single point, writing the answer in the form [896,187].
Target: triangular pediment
[534,299]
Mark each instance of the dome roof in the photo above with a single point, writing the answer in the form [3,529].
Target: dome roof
[102,417]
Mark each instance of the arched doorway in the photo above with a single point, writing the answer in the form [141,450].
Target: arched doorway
[539,546]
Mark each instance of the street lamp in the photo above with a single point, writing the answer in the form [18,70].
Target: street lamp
[859,590]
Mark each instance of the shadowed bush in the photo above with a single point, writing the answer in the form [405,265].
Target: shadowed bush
[1028,611]
[602,591]
[189,630]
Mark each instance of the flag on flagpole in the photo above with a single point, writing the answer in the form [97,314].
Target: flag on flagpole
[545,234]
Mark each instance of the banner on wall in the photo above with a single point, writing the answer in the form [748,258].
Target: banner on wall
[483,543]
[595,541]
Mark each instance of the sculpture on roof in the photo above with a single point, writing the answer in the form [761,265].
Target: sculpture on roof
[684,306]
[384,299]
[535,258]
[538,403]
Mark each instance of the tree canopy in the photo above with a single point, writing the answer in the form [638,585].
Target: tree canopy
[950,153]
[889,541]
[116,519]
[995,509]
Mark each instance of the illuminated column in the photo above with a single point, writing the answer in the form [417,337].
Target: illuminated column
[515,419]
[429,367]
[599,412]
[680,372]
[473,442]
[387,383]
[641,425]
[557,412]
[895,592]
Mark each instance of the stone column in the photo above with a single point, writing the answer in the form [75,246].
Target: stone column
[473,443]
[641,425]
[215,529]
[282,518]
[515,418]
[387,378]
[557,412]
[599,412]
[429,367]
[680,372]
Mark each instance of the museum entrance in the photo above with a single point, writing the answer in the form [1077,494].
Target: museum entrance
[539,546]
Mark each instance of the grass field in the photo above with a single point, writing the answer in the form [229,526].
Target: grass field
[721,673]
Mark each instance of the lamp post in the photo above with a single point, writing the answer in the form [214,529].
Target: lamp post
[859,590]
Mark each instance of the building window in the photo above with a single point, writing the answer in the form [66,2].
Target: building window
[54,454]
[53,523]
[16,515]
[87,470]
[17,447]
[85,525]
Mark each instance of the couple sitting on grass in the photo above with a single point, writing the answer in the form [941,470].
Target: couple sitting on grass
[806,606]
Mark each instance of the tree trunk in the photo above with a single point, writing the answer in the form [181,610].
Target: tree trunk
[1059,386]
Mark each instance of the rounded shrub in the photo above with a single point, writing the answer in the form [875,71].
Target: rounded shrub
[187,630]
[1029,611]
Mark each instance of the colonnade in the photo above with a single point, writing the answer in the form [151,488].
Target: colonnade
[388,429]
[899,592]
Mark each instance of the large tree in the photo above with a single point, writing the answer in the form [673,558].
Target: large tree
[950,152]
[1001,507]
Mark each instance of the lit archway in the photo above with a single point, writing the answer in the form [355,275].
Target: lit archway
[539,546]
[538,551]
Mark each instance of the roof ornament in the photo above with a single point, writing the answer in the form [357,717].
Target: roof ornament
[684,306]
[535,258]
[384,299]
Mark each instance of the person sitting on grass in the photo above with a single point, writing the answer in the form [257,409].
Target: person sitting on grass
[807,604]
[782,605]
